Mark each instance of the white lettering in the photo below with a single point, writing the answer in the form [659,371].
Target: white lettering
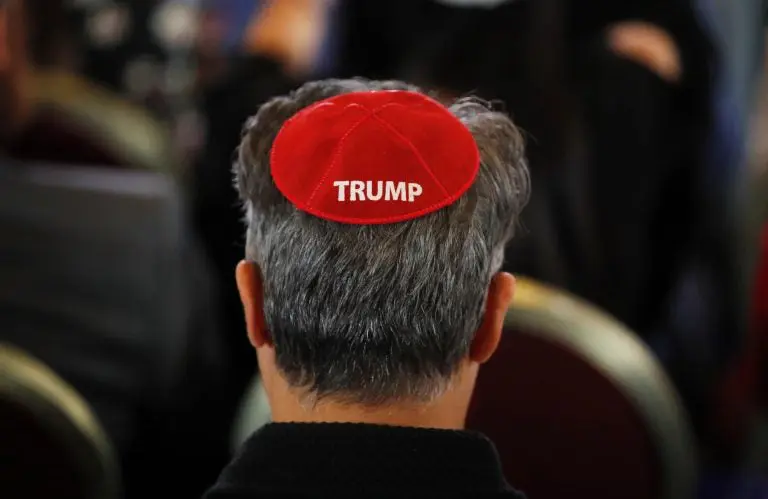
[394,191]
[414,191]
[379,190]
[341,184]
[374,190]
[357,190]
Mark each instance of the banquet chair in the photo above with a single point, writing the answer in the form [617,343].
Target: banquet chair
[578,406]
[52,444]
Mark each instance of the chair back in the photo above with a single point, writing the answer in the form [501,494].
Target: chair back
[578,407]
[122,130]
[52,444]
[99,291]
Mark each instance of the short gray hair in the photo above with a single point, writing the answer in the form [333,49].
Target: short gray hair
[374,313]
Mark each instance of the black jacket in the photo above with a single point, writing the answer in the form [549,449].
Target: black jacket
[100,281]
[358,460]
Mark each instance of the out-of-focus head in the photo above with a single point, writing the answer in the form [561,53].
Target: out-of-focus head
[377,315]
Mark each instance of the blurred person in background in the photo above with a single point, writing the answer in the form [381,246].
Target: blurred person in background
[251,51]
[369,335]
[543,60]
[63,117]
[738,33]
[616,98]
[154,391]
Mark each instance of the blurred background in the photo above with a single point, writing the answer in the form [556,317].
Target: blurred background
[647,130]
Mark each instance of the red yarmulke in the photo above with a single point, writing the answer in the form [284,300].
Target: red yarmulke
[374,157]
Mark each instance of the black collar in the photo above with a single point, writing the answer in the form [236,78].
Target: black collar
[335,460]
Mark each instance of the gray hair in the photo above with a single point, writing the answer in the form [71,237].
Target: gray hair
[374,313]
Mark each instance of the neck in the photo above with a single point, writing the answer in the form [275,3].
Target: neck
[444,414]
[293,405]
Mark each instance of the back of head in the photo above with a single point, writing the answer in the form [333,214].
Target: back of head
[376,314]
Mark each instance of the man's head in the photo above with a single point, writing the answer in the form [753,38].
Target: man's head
[383,315]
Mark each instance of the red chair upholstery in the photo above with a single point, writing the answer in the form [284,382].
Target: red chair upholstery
[578,407]
[51,444]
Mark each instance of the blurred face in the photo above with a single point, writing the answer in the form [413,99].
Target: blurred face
[12,64]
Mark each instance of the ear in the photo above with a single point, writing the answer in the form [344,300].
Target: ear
[488,336]
[249,284]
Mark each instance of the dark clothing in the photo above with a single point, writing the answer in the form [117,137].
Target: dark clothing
[356,460]
[101,282]
[615,152]
[217,212]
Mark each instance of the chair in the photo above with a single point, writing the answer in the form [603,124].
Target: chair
[52,444]
[578,406]
[126,132]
